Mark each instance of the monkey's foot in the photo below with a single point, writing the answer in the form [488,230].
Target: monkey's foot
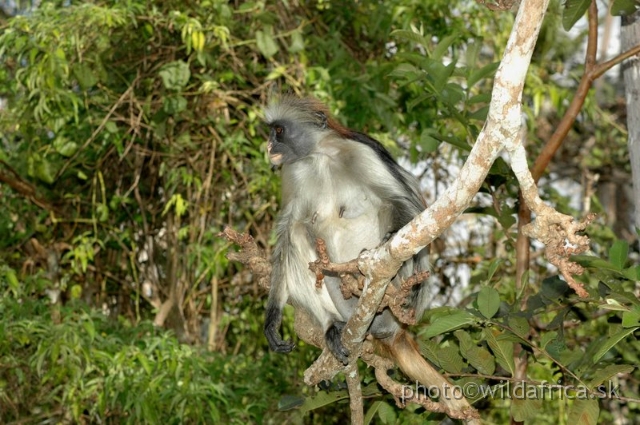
[333,338]
[276,343]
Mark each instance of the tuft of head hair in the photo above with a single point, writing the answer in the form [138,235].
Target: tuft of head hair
[304,110]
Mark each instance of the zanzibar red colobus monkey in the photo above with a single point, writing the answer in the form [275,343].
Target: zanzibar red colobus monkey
[344,187]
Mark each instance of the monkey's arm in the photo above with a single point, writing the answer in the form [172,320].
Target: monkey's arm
[277,299]
[278,293]
[271,327]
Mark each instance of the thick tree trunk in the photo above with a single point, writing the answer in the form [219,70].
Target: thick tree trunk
[631,73]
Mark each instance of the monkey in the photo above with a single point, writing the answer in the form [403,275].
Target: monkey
[342,186]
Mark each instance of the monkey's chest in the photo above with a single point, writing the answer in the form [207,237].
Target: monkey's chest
[347,224]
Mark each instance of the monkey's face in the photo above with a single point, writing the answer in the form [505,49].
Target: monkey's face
[287,142]
[276,147]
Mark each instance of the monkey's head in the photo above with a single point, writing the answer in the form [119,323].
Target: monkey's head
[296,126]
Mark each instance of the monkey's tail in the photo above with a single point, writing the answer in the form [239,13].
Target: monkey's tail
[407,355]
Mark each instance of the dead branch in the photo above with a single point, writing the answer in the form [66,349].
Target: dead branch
[250,255]
[550,227]
[593,71]
[24,188]
[396,301]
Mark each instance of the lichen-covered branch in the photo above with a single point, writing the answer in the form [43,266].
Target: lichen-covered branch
[558,232]
[502,126]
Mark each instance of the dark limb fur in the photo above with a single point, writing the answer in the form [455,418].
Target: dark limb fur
[271,331]
[333,339]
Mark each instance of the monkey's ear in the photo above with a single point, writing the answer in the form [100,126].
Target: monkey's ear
[322,119]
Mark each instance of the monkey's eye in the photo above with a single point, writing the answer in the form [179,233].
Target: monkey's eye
[279,130]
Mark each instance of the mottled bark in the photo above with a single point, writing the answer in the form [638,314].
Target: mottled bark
[631,72]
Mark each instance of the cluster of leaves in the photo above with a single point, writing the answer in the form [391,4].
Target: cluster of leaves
[85,368]
[579,345]
[135,126]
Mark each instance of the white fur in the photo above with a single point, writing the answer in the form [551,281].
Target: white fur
[315,191]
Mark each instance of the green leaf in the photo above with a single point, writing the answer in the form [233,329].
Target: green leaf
[610,342]
[111,127]
[429,349]
[387,414]
[407,71]
[41,169]
[88,325]
[593,262]
[624,7]
[632,273]
[614,305]
[75,292]
[175,75]
[631,318]
[64,146]
[103,212]
[480,114]
[557,348]
[466,343]
[482,360]
[450,360]
[289,402]
[479,98]
[488,302]
[618,254]
[519,325]
[371,412]
[427,142]
[297,42]
[438,72]
[443,47]
[174,104]
[572,11]
[503,350]
[320,400]
[452,93]
[85,76]
[482,73]
[507,218]
[625,298]
[449,323]
[526,407]
[553,289]
[411,36]
[266,44]
[584,411]
[608,372]
[12,280]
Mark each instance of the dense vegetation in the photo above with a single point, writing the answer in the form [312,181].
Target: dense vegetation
[131,135]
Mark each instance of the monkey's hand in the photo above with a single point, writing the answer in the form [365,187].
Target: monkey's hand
[271,325]
[333,338]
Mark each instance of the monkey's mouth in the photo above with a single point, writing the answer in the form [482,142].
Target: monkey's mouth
[276,158]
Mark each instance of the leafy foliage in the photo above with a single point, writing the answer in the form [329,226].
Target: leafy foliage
[86,368]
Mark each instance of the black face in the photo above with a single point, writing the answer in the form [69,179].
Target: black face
[288,142]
